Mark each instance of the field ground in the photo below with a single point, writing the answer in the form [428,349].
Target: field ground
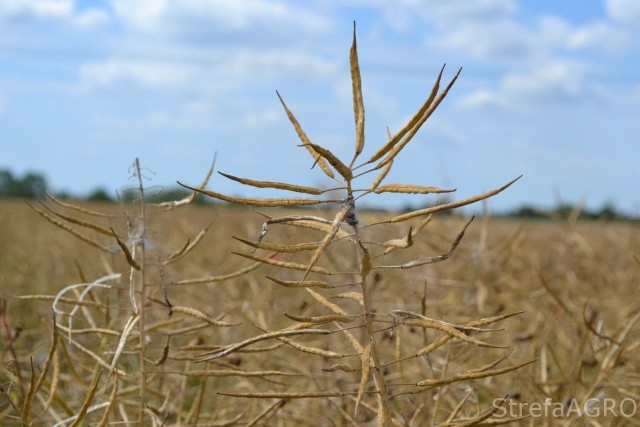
[576,283]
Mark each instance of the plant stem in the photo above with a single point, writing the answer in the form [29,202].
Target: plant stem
[378,376]
[141,324]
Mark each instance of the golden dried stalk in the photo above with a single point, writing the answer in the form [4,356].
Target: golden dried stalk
[439,258]
[276,185]
[26,404]
[61,300]
[306,142]
[322,319]
[235,373]
[87,401]
[73,232]
[358,102]
[411,189]
[75,207]
[335,226]
[255,202]
[50,356]
[364,377]
[452,205]
[197,314]
[448,329]
[221,278]
[482,322]
[297,284]
[130,260]
[283,264]
[382,175]
[334,161]
[393,244]
[271,335]
[411,124]
[409,136]
[78,221]
[287,395]
[468,375]
[322,300]
[191,198]
[339,367]
[280,248]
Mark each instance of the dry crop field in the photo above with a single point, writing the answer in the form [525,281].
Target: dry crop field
[575,284]
[306,310]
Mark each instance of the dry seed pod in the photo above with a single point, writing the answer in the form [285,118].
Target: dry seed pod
[358,102]
[411,189]
[271,184]
[393,244]
[453,205]
[255,202]
[280,248]
[283,264]
[297,284]
[411,124]
[409,136]
[306,142]
[364,377]
[335,226]
[334,161]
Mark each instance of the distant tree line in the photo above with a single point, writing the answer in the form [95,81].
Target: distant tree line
[33,185]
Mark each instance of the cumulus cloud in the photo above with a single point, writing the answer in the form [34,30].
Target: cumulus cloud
[200,20]
[625,11]
[144,72]
[227,67]
[278,63]
[60,10]
[556,83]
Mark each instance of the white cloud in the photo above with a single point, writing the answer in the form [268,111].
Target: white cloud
[147,73]
[600,36]
[555,83]
[38,8]
[200,18]
[480,98]
[278,62]
[625,11]
[501,40]
[60,10]
[262,117]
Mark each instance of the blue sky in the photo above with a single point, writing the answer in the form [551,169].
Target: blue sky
[549,89]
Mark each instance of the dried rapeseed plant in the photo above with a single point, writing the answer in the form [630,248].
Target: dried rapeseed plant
[347,225]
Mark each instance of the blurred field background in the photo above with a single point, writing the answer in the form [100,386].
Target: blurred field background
[576,282]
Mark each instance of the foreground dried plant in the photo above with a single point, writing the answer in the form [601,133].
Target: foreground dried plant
[160,329]
[359,324]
